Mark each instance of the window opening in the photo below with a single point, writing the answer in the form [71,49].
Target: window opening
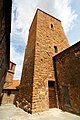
[51,25]
[55,49]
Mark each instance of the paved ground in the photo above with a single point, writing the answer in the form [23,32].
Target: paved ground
[10,112]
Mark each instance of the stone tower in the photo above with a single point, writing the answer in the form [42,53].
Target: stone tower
[46,39]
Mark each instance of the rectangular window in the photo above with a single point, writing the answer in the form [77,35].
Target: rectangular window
[55,49]
[66,95]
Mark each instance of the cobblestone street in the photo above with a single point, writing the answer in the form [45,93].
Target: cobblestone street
[10,112]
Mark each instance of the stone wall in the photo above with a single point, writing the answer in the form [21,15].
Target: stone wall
[10,75]
[11,87]
[2,46]
[67,73]
[8,96]
[5,27]
[26,86]
[49,34]
[46,39]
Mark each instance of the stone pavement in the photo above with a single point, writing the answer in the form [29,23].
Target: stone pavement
[10,112]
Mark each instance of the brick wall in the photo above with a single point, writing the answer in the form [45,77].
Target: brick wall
[46,39]
[67,73]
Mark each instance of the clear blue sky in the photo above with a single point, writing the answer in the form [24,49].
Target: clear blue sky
[68,11]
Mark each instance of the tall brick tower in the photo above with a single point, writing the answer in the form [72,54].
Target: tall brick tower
[46,39]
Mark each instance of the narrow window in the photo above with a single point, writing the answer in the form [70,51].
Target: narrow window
[52,26]
[66,95]
[55,49]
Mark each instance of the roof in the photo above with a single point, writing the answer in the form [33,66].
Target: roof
[13,85]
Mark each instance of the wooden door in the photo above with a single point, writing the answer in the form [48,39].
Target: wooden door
[52,94]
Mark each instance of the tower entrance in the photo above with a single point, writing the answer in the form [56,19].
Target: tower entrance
[52,94]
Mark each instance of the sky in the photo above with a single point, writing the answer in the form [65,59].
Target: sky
[23,11]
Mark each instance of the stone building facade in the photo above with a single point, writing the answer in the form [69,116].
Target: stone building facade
[10,74]
[11,87]
[5,28]
[9,92]
[46,39]
[67,74]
